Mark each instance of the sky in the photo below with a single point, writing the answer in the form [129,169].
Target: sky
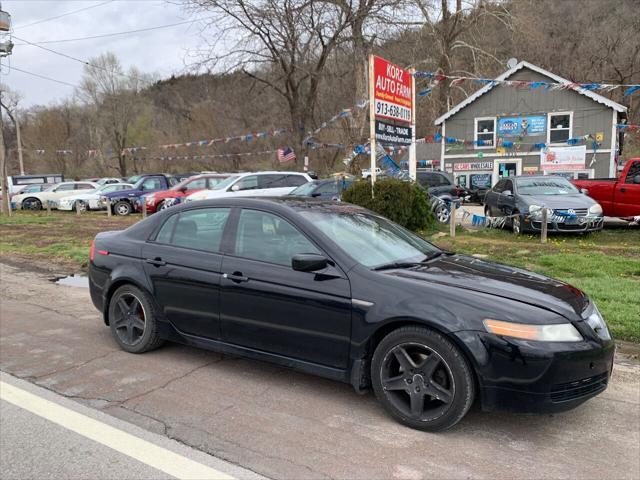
[164,51]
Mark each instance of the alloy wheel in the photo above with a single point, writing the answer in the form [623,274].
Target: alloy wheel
[417,381]
[123,209]
[32,204]
[442,214]
[129,321]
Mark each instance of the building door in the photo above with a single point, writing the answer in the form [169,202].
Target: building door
[506,167]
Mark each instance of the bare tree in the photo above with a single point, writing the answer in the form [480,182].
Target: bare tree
[115,98]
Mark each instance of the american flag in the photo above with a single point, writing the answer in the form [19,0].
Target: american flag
[286,155]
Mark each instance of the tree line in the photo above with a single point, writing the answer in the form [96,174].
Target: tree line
[292,64]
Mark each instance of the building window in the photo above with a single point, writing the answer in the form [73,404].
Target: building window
[559,130]
[485,132]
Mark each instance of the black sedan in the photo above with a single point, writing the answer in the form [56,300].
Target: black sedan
[521,200]
[335,290]
[326,189]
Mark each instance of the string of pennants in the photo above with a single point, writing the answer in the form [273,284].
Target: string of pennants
[625,127]
[438,78]
[344,113]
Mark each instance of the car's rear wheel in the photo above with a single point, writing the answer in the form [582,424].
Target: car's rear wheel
[31,204]
[122,208]
[422,379]
[80,205]
[133,320]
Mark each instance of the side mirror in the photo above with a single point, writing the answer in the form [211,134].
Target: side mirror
[507,193]
[235,188]
[584,191]
[309,262]
[636,179]
[183,189]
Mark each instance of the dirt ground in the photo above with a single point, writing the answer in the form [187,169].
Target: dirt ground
[284,424]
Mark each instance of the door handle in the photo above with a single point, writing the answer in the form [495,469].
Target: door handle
[235,277]
[623,189]
[156,262]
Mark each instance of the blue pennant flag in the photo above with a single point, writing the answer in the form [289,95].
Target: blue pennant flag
[630,90]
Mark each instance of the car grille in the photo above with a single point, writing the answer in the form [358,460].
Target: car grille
[563,392]
[578,212]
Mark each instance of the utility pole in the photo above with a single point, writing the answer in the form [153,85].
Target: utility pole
[6,46]
[16,120]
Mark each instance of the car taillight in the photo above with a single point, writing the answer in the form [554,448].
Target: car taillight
[92,250]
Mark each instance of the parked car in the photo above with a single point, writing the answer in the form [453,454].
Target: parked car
[18,182]
[334,290]
[619,197]
[108,180]
[366,172]
[91,201]
[438,183]
[327,189]
[122,201]
[522,199]
[166,198]
[256,184]
[38,200]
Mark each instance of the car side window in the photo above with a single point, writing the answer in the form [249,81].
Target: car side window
[508,185]
[443,180]
[152,183]
[272,181]
[84,186]
[328,188]
[295,180]
[269,238]
[200,229]
[213,181]
[247,183]
[197,184]
[633,171]
[65,187]
[499,187]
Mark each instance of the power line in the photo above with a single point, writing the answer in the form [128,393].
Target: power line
[63,15]
[43,77]
[127,32]
[75,59]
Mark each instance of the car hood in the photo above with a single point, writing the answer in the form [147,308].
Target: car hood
[503,281]
[124,193]
[577,200]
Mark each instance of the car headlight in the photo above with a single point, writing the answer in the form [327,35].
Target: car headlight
[595,209]
[534,208]
[560,332]
[597,323]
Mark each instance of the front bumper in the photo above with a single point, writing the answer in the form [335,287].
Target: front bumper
[538,377]
[564,225]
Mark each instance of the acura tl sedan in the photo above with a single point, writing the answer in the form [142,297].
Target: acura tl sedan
[335,290]
[521,200]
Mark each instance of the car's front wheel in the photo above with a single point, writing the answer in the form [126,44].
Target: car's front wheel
[133,320]
[122,208]
[31,204]
[422,379]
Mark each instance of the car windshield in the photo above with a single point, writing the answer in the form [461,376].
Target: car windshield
[225,183]
[545,186]
[305,189]
[371,240]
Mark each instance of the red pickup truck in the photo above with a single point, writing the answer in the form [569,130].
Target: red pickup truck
[619,197]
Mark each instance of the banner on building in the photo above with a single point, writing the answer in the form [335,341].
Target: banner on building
[396,134]
[466,166]
[522,126]
[563,158]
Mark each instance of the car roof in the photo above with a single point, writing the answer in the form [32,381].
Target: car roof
[271,172]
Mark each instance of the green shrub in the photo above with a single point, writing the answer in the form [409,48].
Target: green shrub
[403,202]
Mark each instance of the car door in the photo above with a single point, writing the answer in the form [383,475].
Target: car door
[245,187]
[183,263]
[506,200]
[274,185]
[491,198]
[266,305]
[627,195]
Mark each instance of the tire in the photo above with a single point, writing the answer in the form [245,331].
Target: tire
[122,208]
[31,203]
[162,206]
[448,377]
[442,214]
[135,330]
[516,224]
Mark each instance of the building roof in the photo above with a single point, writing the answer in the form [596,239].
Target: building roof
[472,98]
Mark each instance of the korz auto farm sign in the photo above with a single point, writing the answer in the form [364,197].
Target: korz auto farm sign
[392,91]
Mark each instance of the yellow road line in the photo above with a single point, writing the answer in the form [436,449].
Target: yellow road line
[146,452]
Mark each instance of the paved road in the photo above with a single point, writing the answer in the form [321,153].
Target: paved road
[283,424]
[44,435]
